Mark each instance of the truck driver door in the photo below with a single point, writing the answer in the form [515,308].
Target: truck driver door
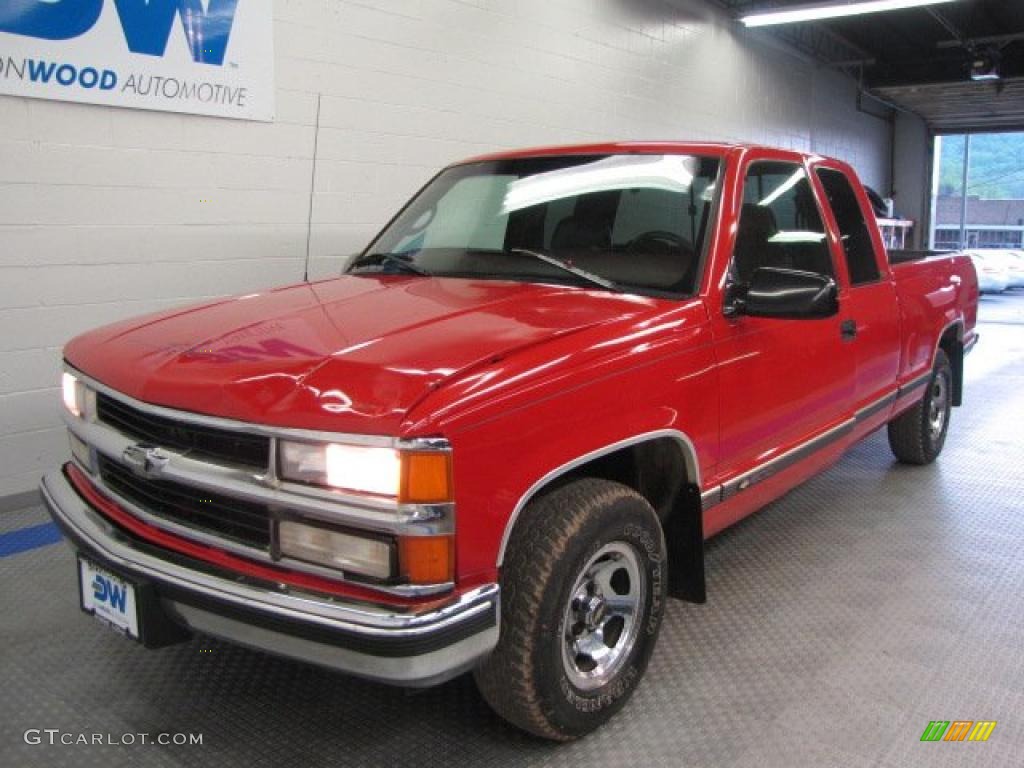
[784,382]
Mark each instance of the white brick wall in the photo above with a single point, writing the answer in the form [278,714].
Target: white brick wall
[106,213]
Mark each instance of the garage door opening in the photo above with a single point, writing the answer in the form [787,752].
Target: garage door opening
[978,192]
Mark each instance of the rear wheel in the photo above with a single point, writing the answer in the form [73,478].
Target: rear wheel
[917,435]
[583,591]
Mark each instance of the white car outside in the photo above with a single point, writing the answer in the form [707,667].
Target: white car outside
[1014,261]
[993,274]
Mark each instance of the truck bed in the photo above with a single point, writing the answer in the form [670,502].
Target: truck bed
[932,284]
[901,256]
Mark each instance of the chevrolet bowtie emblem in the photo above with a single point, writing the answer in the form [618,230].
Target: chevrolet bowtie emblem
[144,460]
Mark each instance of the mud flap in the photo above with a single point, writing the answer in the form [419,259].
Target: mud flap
[684,536]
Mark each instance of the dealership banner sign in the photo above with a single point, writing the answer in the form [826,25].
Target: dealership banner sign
[207,57]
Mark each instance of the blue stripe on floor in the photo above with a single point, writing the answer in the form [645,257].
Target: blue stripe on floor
[24,539]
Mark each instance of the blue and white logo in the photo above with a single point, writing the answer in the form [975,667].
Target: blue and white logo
[106,591]
[205,56]
[147,25]
[108,597]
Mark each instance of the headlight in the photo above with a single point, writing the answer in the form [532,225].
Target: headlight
[73,392]
[324,546]
[354,468]
[415,477]
[413,559]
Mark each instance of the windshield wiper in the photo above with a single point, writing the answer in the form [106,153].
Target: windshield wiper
[402,262]
[590,277]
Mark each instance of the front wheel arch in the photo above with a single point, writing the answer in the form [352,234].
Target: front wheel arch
[662,467]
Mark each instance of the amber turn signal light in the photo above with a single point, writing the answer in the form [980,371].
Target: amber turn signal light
[427,559]
[426,477]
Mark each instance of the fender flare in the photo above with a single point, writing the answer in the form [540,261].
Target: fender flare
[684,529]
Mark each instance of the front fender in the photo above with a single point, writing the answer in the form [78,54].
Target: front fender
[508,452]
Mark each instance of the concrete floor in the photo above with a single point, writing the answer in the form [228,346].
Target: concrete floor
[841,620]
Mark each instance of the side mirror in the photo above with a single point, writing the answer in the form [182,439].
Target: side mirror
[787,293]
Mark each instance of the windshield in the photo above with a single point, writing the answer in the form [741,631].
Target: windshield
[617,222]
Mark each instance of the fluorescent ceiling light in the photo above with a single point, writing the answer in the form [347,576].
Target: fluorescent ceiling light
[831,11]
[797,236]
[669,173]
[783,188]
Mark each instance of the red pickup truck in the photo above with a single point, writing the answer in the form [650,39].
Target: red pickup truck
[500,439]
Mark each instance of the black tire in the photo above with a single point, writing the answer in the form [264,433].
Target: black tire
[587,526]
[913,435]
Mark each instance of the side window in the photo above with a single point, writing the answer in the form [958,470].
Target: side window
[780,225]
[853,229]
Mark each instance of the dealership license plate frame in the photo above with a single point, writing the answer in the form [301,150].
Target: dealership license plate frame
[129,622]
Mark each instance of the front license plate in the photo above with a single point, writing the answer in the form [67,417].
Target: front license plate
[108,597]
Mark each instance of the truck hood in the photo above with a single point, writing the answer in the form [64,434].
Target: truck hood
[352,354]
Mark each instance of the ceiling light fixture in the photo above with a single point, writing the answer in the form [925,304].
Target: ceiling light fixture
[820,11]
[985,66]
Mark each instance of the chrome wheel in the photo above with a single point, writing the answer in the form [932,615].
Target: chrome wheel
[602,618]
[938,407]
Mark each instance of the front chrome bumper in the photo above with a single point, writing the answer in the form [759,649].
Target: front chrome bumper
[387,645]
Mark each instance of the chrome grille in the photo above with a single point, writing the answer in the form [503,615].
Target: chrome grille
[245,522]
[193,440]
